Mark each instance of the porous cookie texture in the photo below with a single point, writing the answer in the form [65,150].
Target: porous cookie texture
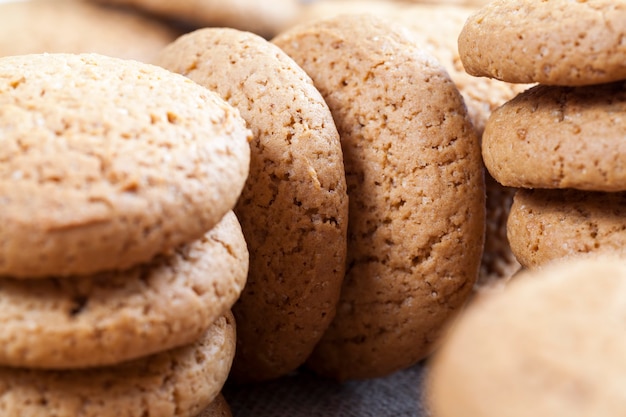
[75,26]
[106,163]
[545,225]
[113,317]
[264,18]
[177,383]
[416,190]
[294,206]
[218,408]
[560,137]
[551,344]
[436,29]
[557,42]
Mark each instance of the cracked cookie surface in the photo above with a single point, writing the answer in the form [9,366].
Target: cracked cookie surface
[105,163]
[560,137]
[545,225]
[556,42]
[76,322]
[294,207]
[415,187]
[176,383]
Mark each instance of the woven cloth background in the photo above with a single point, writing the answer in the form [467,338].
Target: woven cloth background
[306,395]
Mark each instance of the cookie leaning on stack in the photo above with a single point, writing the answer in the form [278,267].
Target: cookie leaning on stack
[120,256]
[415,187]
[294,206]
[565,133]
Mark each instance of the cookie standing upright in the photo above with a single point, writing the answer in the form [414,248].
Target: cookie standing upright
[545,225]
[294,207]
[551,344]
[560,137]
[556,42]
[416,190]
[176,383]
[109,162]
[75,26]
[112,317]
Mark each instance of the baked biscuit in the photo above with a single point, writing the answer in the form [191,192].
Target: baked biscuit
[549,224]
[109,162]
[550,344]
[75,26]
[113,317]
[264,18]
[560,137]
[177,383]
[294,207]
[557,42]
[415,186]
[436,29]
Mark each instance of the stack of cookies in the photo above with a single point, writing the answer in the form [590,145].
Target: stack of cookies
[561,143]
[120,256]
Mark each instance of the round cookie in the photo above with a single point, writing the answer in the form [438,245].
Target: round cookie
[294,207]
[415,186]
[112,317]
[75,26]
[264,18]
[177,383]
[550,344]
[218,408]
[549,224]
[560,137]
[109,162]
[557,42]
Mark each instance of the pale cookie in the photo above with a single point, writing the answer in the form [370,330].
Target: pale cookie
[75,26]
[106,163]
[549,224]
[294,207]
[560,137]
[416,190]
[557,42]
[264,18]
[551,344]
[113,317]
[177,383]
[218,408]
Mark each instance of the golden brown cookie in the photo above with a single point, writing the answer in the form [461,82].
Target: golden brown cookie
[293,209]
[106,163]
[177,383]
[550,344]
[416,190]
[560,137]
[75,26]
[557,42]
[264,18]
[77,322]
[550,224]
[436,28]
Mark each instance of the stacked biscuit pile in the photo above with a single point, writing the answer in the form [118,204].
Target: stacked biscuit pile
[119,253]
[552,342]
[561,142]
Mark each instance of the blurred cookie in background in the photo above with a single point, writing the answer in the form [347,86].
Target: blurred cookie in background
[265,18]
[73,26]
